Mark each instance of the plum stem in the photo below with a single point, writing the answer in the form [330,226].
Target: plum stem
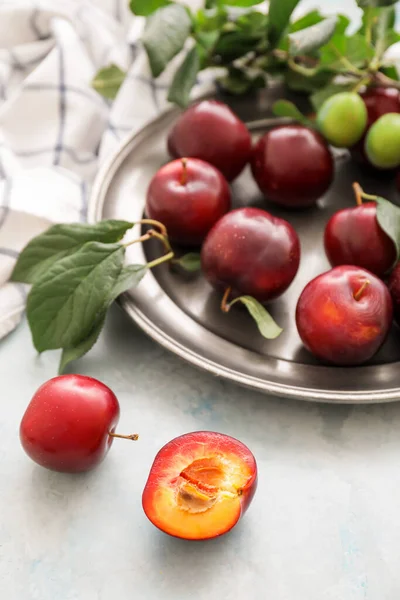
[360,194]
[159,261]
[357,295]
[358,191]
[133,436]
[160,226]
[225,306]
[184,175]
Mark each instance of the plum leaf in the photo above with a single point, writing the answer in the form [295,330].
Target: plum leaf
[279,15]
[388,217]
[60,241]
[185,78]
[144,8]
[265,323]
[129,277]
[312,38]
[189,262]
[165,35]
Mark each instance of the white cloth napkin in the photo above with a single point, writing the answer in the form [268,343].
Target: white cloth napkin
[54,128]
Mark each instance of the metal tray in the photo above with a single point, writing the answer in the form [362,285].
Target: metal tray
[182,312]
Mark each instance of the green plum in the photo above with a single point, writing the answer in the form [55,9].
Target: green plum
[342,119]
[382,144]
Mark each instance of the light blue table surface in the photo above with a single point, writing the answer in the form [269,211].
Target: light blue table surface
[324,524]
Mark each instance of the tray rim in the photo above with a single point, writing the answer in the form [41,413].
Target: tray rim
[95,205]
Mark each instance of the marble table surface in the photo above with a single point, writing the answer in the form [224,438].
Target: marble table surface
[324,524]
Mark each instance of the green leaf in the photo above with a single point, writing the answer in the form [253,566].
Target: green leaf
[81,348]
[279,16]
[388,217]
[342,52]
[312,38]
[60,241]
[144,8]
[63,305]
[301,83]
[366,3]
[285,108]
[265,323]
[242,36]
[129,277]
[311,18]
[391,72]
[244,3]
[189,262]
[185,78]
[319,97]
[238,81]
[165,35]
[385,35]
[107,81]
[210,20]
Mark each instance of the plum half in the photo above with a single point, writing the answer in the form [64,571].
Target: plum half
[200,485]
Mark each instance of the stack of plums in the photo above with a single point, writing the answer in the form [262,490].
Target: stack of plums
[250,252]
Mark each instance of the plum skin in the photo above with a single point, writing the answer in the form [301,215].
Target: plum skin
[335,326]
[353,236]
[211,131]
[394,289]
[253,253]
[292,165]
[188,196]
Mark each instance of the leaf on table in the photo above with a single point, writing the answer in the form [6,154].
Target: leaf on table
[60,241]
[388,217]
[185,78]
[129,277]
[68,299]
[312,38]
[165,35]
[107,81]
[144,8]
[265,323]
[279,15]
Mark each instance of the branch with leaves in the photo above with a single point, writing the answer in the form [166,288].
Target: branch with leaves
[77,271]
[313,54]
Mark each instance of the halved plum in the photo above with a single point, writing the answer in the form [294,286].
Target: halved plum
[200,485]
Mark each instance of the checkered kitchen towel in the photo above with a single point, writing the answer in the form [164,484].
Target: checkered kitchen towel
[55,129]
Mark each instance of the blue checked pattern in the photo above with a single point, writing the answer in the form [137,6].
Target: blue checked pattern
[54,128]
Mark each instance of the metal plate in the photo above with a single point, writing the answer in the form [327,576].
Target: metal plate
[182,312]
